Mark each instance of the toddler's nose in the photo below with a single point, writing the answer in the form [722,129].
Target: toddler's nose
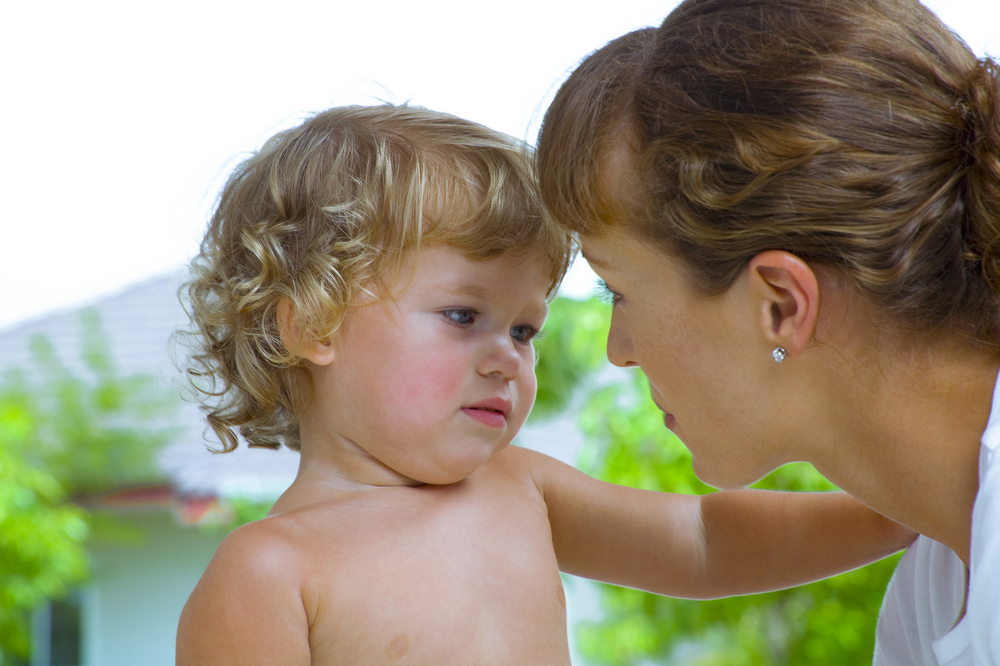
[502,358]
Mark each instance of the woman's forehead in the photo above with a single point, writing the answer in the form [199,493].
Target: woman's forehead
[614,249]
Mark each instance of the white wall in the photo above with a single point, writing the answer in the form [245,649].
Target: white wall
[137,591]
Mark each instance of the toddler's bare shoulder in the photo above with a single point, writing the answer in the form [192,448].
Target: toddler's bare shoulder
[525,464]
[249,605]
[266,548]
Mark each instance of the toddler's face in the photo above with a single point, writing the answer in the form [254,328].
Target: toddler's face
[426,386]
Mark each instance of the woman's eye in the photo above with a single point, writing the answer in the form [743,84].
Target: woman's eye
[606,294]
[524,333]
[460,316]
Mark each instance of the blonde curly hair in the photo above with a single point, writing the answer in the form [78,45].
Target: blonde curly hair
[323,212]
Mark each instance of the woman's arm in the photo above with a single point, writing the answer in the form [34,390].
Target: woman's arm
[722,544]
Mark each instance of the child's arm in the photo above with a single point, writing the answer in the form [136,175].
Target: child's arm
[722,544]
[247,609]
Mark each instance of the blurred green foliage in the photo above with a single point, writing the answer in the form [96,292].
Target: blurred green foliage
[98,431]
[63,437]
[829,622]
[242,510]
[41,535]
[569,349]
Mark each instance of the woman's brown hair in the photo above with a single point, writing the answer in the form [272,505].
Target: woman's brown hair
[858,134]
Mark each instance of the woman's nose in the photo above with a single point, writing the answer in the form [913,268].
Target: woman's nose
[620,351]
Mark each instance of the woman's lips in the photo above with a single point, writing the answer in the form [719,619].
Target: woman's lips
[668,418]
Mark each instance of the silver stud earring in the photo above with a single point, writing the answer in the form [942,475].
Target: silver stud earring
[779,354]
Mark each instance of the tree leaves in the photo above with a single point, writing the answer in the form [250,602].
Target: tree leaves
[64,436]
[41,535]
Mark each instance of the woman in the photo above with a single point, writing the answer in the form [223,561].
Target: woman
[796,207]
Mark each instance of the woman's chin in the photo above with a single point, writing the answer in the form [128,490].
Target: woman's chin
[721,481]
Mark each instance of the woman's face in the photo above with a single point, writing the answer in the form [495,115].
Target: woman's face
[705,357]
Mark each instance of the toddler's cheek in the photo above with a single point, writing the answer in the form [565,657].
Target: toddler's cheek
[432,381]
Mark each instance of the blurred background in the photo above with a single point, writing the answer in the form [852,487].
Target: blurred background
[123,121]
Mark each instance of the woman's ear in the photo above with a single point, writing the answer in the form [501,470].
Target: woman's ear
[301,342]
[789,299]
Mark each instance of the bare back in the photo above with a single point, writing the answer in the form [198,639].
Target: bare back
[459,574]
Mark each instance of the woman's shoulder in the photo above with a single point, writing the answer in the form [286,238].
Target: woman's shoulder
[984,570]
[922,604]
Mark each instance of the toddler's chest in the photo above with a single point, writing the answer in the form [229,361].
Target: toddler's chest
[468,580]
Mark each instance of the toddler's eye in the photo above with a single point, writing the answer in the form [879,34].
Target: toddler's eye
[524,333]
[460,316]
[606,294]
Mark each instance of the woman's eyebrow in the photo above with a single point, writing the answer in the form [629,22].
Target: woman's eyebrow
[594,261]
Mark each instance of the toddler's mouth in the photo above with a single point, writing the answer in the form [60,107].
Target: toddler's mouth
[487,416]
[501,406]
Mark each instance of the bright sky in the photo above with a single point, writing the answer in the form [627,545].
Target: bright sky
[123,118]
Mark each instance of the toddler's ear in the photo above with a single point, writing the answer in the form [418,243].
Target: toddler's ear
[298,342]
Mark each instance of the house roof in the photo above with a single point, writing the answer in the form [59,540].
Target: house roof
[139,322]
